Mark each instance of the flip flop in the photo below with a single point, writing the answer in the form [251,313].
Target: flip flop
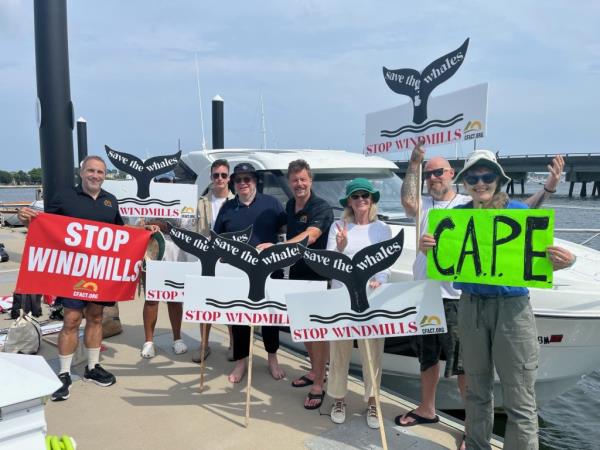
[311,396]
[304,381]
[418,420]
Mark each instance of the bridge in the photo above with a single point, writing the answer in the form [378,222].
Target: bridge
[580,168]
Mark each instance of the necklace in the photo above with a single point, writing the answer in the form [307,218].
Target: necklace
[449,202]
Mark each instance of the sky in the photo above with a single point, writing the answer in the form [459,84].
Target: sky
[315,63]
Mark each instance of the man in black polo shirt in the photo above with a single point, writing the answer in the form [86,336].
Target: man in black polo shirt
[308,216]
[266,216]
[85,201]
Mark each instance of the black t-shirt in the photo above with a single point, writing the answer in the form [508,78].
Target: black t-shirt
[74,202]
[316,213]
[265,214]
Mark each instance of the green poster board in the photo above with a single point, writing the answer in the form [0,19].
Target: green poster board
[504,247]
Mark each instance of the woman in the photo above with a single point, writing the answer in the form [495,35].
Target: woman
[497,327]
[357,229]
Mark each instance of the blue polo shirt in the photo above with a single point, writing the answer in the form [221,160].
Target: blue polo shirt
[488,289]
[265,214]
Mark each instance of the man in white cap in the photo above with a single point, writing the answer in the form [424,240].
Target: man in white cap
[438,175]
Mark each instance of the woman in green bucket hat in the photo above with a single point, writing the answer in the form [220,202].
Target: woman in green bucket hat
[357,229]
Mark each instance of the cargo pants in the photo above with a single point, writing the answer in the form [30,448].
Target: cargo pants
[499,332]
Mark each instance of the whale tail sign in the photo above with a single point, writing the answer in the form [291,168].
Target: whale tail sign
[356,272]
[418,86]
[202,247]
[142,171]
[256,265]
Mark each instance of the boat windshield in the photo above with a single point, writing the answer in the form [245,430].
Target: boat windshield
[331,185]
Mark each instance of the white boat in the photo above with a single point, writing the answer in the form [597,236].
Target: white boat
[567,316]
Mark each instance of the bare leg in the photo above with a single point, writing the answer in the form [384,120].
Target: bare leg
[319,357]
[276,371]
[429,382]
[205,331]
[69,335]
[150,314]
[93,325]
[175,317]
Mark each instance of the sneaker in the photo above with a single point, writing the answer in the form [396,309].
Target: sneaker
[63,392]
[99,376]
[338,412]
[196,354]
[372,419]
[148,350]
[179,347]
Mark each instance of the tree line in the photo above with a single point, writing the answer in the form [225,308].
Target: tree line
[34,176]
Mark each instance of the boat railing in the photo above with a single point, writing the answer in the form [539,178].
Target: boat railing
[595,233]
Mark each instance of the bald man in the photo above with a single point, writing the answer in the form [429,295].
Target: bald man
[438,176]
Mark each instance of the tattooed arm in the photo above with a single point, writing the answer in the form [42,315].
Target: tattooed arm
[555,170]
[408,194]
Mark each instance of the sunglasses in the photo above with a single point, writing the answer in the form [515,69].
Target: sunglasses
[364,196]
[434,173]
[244,180]
[487,178]
[223,175]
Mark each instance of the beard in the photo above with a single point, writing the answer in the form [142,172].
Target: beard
[438,192]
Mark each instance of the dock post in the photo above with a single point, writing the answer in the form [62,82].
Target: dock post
[571,189]
[218,121]
[583,192]
[522,186]
[596,189]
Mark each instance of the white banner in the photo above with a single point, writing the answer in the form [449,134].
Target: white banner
[225,300]
[459,116]
[396,309]
[167,200]
[165,280]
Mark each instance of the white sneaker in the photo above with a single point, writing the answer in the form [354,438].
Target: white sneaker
[372,419]
[338,411]
[148,350]
[179,347]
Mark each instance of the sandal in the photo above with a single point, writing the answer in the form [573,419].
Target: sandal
[303,381]
[311,396]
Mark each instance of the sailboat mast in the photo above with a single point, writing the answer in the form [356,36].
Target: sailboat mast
[200,102]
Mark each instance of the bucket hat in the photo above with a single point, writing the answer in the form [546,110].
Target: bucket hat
[483,158]
[359,184]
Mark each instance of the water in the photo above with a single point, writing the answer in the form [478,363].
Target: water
[571,420]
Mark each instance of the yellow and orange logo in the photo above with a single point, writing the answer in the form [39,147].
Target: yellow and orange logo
[83,285]
[473,125]
[429,321]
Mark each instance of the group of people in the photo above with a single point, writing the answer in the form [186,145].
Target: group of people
[488,326]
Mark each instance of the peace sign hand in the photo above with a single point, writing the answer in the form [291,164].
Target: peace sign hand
[341,237]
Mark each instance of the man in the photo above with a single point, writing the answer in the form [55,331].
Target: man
[267,216]
[208,209]
[308,216]
[438,175]
[85,201]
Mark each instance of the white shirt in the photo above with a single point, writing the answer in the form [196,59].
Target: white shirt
[420,264]
[215,206]
[359,237]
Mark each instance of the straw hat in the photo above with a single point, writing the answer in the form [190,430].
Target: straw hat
[483,158]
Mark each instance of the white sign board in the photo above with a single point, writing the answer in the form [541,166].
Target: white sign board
[396,309]
[225,300]
[167,200]
[459,116]
[165,280]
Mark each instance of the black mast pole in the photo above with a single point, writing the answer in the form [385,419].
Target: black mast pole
[218,127]
[54,108]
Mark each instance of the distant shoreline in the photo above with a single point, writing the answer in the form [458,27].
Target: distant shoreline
[19,186]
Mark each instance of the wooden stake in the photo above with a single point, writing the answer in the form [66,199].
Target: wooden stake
[204,332]
[377,403]
[418,216]
[249,385]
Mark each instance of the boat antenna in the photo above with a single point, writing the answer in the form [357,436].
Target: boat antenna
[200,101]
[264,128]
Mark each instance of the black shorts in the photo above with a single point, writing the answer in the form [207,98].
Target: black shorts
[74,303]
[430,346]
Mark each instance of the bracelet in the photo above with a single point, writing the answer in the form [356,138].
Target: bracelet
[549,191]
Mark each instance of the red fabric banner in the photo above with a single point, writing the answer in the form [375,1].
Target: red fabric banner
[81,259]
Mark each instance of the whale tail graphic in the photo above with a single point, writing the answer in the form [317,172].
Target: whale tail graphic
[142,171]
[418,86]
[256,265]
[356,272]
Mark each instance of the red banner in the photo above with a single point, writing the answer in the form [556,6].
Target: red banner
[81,259]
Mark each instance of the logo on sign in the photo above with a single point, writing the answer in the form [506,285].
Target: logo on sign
[83,285]
[473,130]
[430,321]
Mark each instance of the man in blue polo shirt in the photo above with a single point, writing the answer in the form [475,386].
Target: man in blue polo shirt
[267,217]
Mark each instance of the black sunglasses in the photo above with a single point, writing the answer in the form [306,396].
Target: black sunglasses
[487,178]
[364,196]
[244,180]
[435,172]
[223,175]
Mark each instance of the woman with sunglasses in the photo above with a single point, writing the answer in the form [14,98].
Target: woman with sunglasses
[497,327]
[357,229]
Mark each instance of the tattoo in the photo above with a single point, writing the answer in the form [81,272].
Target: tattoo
[408,192]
